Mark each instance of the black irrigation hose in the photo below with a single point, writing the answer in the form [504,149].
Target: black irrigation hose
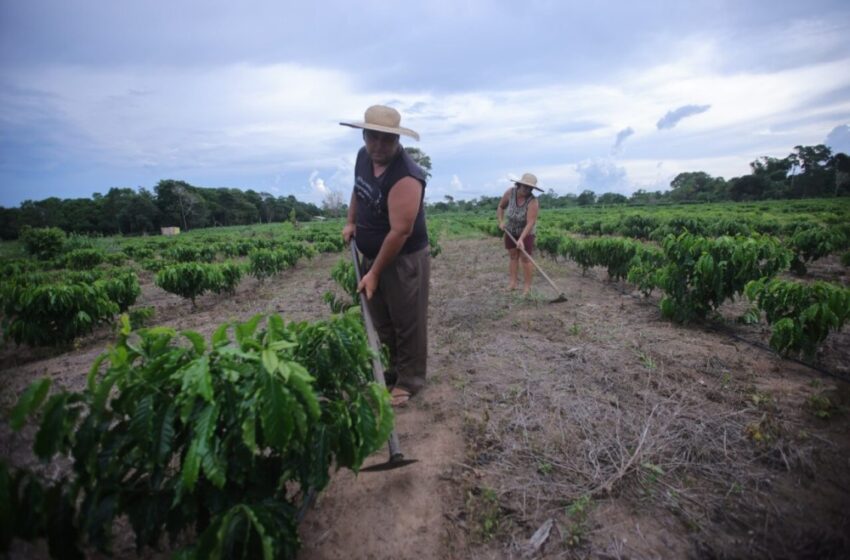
[822,371]
[305,505]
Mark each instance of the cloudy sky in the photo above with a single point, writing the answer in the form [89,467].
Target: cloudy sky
[607,96]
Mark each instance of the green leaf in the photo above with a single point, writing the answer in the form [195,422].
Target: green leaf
[141,424]
[103,389]
[237,353]
[191,466]
[215,467]
[125,328]
[196,340]
[54,429]
[219,337]
[249,433]
[164,442]
[275,414]
[270,361]
[279,345]
[206,423]
[276,326]
[91,380]
[196,379]
[246,330]
[265,538]
[300,381]
[29,402]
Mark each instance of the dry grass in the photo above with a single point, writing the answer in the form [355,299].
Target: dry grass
[588,409]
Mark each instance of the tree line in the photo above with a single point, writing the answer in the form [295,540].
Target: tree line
[171,203]
[808,172]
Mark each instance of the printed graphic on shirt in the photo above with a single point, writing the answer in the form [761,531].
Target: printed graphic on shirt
[368,194]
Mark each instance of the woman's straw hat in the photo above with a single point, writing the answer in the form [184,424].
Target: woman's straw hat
[529,180]
[382,119]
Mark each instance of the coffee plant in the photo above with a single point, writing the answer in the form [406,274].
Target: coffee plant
[42,243]
[84,259]
[701,273]
[814,243]
[54,312]
[187,280]
[216,443]
[343,274]
[801,315]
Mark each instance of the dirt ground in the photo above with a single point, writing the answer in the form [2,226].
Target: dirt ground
[591,428]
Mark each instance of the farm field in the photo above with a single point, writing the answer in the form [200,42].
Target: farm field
[596,424]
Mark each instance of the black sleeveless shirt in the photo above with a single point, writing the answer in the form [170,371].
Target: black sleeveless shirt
[372,217]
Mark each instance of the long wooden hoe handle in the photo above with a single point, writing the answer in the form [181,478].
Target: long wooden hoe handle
[375,343]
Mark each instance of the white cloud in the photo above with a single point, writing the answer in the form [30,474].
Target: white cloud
[279,122]
[601,176]
[318,184]
[839,139]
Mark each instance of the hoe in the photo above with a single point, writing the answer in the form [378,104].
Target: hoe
[396,459]
[561,297]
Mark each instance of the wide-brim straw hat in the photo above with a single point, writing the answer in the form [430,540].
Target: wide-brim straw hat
[383,119]
[529,180]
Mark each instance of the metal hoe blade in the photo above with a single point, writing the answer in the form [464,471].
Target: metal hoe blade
[390,465]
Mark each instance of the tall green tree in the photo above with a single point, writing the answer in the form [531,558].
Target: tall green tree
[180,204]
[842,174]
[749,187]
[612,198]
[422,159]
[586,198]
[697,186]
[812,172]
[140,215]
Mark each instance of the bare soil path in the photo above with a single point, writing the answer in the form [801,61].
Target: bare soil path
[595,424]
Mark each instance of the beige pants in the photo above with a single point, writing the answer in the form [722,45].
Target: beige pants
[399,309]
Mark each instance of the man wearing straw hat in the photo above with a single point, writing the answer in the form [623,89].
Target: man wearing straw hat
[386,216]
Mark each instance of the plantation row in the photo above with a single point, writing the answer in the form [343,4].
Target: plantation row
[644,226]
[217,444]
[782,219]
[50,248]
[77,285]
[699,274]
[41,309]
[810,229]
[45,305]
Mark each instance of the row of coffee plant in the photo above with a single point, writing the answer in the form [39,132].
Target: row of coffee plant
[217,445]
[41,309]
[699,274]
[50,248]
[69,285]
[779,218]
[812,229]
